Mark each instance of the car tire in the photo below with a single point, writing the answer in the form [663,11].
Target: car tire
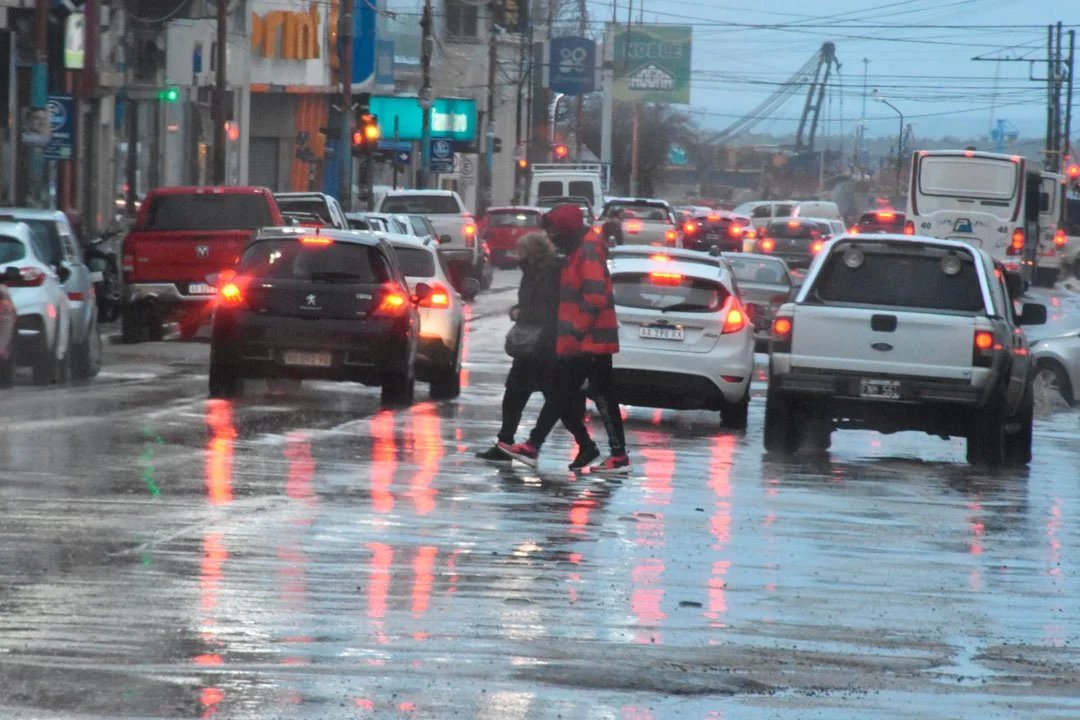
[86,356]
[1051,375]
[398,390]
[734,415]
[813,427]
[446,384]
[47,367]
[134,324]
[1047,277]
[986,441]
[487,275]
[225,381]
[1018,444]
[779,426]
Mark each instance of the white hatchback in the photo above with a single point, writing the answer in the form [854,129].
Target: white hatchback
[41,303]
[685,341]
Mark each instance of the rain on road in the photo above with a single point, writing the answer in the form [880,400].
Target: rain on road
[301,554]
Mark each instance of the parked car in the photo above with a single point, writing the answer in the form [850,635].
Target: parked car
[56,238]
[442,316]
[898,332]
[325,208]
[500,228]
[764,284]
[36,287]
[328,306]
[685,341]
[645,221]
[1057,364]
[8,317]
[181,235]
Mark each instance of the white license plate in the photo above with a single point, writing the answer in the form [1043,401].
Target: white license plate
[884,389]
[663,332]
[200,289]
[307,359]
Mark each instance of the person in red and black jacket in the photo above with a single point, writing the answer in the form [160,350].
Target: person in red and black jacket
[588,336]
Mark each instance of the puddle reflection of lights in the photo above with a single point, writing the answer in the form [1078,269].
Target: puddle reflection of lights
[209,699]
[424,572]
[384,461]
[210,569]
[720,526]
[646,599]
[579,513]
[425,430]
[219,452]
[451,571]
[299,481]
[378,587]
[633,712]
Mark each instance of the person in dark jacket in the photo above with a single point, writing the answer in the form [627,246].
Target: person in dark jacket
[588,337]
[538,304]
[611,230]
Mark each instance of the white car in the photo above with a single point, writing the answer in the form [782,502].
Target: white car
[1057,364]
[685,340]
[41,304]
[446,211]
[442,316]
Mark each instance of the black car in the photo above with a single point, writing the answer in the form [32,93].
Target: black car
[703,232]
[795,240]
[331,305]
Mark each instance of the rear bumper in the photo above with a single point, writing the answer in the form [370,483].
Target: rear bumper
[168,293]
[845,387]
[690,381]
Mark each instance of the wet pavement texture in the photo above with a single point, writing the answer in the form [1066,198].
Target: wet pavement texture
[302,554]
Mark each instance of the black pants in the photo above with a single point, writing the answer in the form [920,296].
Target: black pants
[526,377]
[571,374]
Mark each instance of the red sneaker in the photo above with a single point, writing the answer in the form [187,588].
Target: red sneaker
[614,465]
[525,453]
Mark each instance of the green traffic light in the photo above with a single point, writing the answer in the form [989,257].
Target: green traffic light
[170,94]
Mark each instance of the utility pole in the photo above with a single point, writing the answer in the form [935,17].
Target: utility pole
[220,93]
[1067,150]
[39,97]
[484,200]
[345,32]
[427,96]
[579,117]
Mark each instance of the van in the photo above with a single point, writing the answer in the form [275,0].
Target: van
[761,212]
[564,180]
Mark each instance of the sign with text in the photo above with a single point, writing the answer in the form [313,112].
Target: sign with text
[451,118]
[652,63]
[571,66]
[442,156]
[61,109]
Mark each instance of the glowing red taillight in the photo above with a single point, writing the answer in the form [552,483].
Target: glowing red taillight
[1017,244]
[735,318]
[815,247]
[665,278]
[671,236]
[909,228]
[392,303]
[767,245]
[633,226]
[231,295]
[690,228]
[1059,238]
[439,298]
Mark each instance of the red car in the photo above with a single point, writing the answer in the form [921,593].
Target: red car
[500,228]
[181,235]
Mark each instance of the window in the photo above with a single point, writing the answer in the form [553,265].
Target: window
[512,219]
[225,211]
[762,212]
[415,262]
[582,189]
[309,206]
[47,244]
[340,262]
[421,204]
[759,271]
[549,188]
[462,19]
[652,213]
[11,250]
[688,294]
[968,177]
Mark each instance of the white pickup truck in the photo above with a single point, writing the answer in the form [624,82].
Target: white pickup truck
[895,332]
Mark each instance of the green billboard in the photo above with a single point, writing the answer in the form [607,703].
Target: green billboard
[652,63]
[451,118]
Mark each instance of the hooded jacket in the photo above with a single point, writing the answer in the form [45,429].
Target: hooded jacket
[587,323]
[538,294]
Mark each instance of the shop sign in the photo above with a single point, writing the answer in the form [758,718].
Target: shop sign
[286,35]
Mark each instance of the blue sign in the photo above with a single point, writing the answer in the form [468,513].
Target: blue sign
[442,156]
[61,110]
[572,66]
[384,63]
[363,41]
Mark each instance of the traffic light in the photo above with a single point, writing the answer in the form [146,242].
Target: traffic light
[365,136]
[169,94]
[560,151]
[496,145]
[522,164]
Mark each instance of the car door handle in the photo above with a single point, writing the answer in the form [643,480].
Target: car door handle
[883,323]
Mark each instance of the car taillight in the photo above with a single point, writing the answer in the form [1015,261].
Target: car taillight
[735,319]
[598,229]
[984,346]
[230,295]
[1017,244]
[815,247]
[853,230]
[767,245]
[1059,238]
[28,277]
[438,298]
[316,241]
[670,236]
[393,302]
[780,337]
[690,228]
[735,230]
[909,228]
[470,234]
[665,278]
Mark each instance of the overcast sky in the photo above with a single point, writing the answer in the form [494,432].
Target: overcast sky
[920,57]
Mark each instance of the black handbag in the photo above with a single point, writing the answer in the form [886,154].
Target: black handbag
[523,340]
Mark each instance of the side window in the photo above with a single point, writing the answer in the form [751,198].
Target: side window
[461,19]
[761,212]
[71,252]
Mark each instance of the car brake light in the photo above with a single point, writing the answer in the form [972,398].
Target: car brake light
[438,298]
[853,230]
[816,246]
[316,240]
[768,245]
[886,215]
[735,230]
[633,226]
[689,228]
[598,229]
[714,217]
[470,234]
[28,277]
[1059,238]
[735,319]
[909,228]
[780,336]
[230,294]
[392,303]
[983,348]
[1017,244]
[665,278]
[793,223]
[671,236]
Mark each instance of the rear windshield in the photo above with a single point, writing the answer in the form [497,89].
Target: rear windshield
[582,189]
[310,206]
[415,262]
[641,212]
[11,250]
[226,211]
[549,188]
[356,224]
[671,292]
[796,231]
[513,219]
[421,204]
[901,277]
[288,259]
[977,177]
[759,271]
[887,219]
[46,240]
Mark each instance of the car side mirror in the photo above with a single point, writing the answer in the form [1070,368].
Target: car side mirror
[1033,314]
[421,292]
[63,272]
[11,275]
[444,238]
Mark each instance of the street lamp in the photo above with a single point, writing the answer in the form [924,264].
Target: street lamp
[899,138]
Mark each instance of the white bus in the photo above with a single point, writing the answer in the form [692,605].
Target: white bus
[1001,203]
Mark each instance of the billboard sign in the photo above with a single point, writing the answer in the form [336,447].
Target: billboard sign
[571,66]
[652,63]
[61,109]
[451,118]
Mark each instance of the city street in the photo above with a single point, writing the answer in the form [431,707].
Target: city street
[301,554]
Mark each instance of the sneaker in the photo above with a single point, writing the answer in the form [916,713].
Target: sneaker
[585,455]
[499,452]
[614,465]
[525,453]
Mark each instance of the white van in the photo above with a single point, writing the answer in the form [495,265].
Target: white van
[762,212]
[549,181]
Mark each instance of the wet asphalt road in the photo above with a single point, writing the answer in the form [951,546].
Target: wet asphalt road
[304,555]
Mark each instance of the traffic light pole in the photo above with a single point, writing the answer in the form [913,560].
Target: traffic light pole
[489,134]
[345,32]
[39,96]
[426,99]
[219,93]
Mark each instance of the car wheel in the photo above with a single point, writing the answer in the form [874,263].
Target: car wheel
[446,384]
[779,428]
[7,365]
[734,415]
[1018,444]
[813,427]
[986,442]
[1050,376]
[487,276]
[134,324]
[225,381]
[1047,277]
[86,356]
[399,390]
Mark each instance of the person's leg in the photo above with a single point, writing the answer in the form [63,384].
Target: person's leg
[515,397]
[602,392]
[568,378]
[573,419]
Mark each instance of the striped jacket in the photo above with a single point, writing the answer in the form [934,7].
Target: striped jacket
[587,324]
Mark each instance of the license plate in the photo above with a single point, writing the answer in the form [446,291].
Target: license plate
[200,289]
[307,359]
[663,332]
[884,389]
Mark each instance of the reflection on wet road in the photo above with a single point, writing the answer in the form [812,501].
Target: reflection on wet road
[305,555]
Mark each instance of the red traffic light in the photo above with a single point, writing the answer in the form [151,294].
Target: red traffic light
[1073,171]
[561,152]
[523,164]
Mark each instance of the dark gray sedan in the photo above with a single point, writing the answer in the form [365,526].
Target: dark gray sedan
[765,283]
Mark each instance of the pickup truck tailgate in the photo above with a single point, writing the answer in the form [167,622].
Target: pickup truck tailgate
[883,341]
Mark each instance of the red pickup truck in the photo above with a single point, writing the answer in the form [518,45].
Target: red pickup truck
[181,235]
